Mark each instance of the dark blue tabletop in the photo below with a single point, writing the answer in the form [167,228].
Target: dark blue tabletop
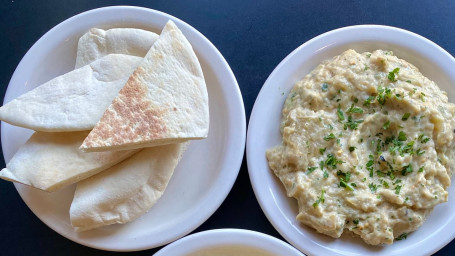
[254,36]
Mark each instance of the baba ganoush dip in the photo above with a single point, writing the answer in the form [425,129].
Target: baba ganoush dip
[368,147]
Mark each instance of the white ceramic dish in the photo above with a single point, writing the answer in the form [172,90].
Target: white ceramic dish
[263,133]
[202,179]
[228,242]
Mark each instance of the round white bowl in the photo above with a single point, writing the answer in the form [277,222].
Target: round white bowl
[204,176]
[228,242]
[263,133]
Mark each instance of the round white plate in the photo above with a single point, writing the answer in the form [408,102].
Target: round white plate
[263,133]
[228,242]
[207,170]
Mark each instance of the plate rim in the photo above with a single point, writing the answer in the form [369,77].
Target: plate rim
[266,206]
[234,150]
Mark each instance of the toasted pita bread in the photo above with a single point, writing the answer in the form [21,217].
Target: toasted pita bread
[50,161]
[74,101]
[126,191]
[164,101]
[97,43]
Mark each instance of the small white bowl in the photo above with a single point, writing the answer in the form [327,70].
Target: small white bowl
[228,242]
[263,133]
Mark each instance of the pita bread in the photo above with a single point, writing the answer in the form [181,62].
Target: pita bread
[74,101]
[125,191]
[98,43]
[164,101]
[50,161]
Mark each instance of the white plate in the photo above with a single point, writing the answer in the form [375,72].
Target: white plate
[263,133]
[202,179]
[228,242]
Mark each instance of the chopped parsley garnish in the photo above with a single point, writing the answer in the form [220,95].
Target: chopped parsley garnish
[397,189]
[420,152]
[385,184]
[311,169]
[402,136]
[331,136]
[352,124]
[356,221]
[369,165]
[383,94]
[351,149]
[325,87]
[367,102]
[402,236]
[423,139]
[420,169]
[354,109]
[332,161]
[386,125]
[373,187]
[408,149]
[325,174]
[320,199]
[408,81]
[422,95]
[405,116]
[345,185]
[406,169]
[392,74]
[322,151]
[340,114]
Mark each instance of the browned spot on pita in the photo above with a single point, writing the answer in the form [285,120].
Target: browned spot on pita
[130,119]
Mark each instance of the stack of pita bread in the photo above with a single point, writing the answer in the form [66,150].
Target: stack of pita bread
[117,125]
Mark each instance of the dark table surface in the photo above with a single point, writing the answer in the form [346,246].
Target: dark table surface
[253,36]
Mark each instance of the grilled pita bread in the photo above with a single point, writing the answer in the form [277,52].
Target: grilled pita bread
[74,101]
[125,191]
[50,161]
[97,43]
[164,101]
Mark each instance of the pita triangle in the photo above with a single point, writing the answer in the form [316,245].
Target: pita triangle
[164,101]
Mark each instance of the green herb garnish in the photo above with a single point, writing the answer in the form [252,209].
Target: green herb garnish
[402,136]
[320,199]
[367,102]
[386,125]
[325,174]
[420,152]
[373,187]
[322,151]
[402,236]
[405,116]
[397,189]
[340,114]
[406,169]
[392,74]
[311,169]
[331,136]
[352,124]
[354,109]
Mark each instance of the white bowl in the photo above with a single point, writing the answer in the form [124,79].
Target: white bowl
[263,133]
[228,242]
[207,171]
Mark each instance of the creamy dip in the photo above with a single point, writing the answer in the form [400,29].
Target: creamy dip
[368,147]
[231,250]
